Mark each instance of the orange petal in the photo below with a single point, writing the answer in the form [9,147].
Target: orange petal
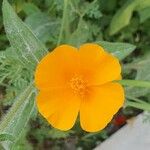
[99,107]
[97,65]
[59,106]
[57,67]
[119,77]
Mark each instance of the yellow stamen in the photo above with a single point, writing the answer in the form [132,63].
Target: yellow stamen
[78,85]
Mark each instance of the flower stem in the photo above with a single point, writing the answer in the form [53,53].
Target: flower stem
[137,83]
[142,106]
[63,22]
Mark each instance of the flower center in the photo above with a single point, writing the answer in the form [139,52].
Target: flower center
[78,85]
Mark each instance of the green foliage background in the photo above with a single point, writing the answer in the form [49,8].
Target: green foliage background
[120,26]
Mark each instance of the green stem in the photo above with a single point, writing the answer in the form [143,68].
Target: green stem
[18,103]
[137,83]
[138,105]
[63,22]
[136,99]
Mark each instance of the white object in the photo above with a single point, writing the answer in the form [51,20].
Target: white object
[133,136]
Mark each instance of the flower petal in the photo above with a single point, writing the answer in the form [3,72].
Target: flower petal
[56,67]
[99,107]
[97,65]
[59,106]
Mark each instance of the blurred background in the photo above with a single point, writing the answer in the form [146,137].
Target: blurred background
[85,21]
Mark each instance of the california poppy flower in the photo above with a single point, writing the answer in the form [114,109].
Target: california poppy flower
[72,82]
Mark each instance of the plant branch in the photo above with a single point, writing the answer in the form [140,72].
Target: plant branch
[136,83]
[63,22]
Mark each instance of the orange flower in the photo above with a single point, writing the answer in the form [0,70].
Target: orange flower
[73,81]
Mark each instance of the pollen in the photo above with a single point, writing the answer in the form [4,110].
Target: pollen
[78,85]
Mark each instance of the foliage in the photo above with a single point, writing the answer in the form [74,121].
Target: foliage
[44,24]
[123,16]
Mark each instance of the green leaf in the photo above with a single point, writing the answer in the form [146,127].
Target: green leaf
[6,137]
[21,38]
[57,134]
[77,37]
[140,105]
[122,17]
[30,8]
[124,14]
[23,143]
[142,67]
[120,50]
[102,134]
[92,10]
[16,119]
[144,14]
[140,4]
[43,26]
